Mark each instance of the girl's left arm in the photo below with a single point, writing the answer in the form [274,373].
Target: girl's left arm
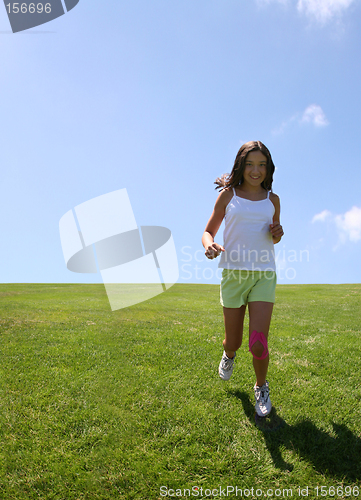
[276,228]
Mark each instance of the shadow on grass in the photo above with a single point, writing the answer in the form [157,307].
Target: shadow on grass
[337,456]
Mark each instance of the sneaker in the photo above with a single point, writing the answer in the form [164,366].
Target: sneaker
[226,366]
[263,402]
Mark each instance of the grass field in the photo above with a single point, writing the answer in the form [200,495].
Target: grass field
[116,405]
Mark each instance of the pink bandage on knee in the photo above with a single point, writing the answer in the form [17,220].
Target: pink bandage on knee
[261,337]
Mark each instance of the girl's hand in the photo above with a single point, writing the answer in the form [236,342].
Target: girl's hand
[276,230]
[213,251]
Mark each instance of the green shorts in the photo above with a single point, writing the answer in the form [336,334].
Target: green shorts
[238,287]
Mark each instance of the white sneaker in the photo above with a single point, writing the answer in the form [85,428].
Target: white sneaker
[225,368]
[263,401]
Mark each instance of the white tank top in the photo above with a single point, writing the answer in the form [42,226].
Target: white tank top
[247,239]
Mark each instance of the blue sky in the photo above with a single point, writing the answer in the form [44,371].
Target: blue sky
[157,97]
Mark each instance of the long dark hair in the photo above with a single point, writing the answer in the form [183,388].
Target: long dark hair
[235,178]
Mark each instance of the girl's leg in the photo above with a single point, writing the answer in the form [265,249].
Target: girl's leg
[260,314]
[233,323]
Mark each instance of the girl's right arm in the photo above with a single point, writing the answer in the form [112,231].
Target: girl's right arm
[214,249]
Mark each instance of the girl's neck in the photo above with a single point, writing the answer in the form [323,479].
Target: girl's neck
[247,188]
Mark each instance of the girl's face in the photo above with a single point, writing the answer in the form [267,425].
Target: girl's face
[255,170]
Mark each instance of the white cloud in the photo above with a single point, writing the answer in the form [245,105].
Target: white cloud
[314,114]
[348,225]
[284,125]
[323,10]
[322,216]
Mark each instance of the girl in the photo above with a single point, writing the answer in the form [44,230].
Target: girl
[252,214]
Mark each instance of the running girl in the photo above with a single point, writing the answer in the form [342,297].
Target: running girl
[252,226]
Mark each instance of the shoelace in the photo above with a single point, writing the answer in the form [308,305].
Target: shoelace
[262,395]
[227,363]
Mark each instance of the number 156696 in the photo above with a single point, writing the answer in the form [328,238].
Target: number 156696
[340,491]
[32,8]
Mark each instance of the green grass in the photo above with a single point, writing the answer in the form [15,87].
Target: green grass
[113,405]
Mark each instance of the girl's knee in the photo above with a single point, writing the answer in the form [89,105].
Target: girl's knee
[258,344]
[257,349]
[232,346]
